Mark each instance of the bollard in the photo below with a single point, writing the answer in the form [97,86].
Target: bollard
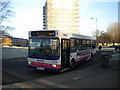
[104,59]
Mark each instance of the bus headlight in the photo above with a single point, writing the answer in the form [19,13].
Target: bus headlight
[54,65]
[29,62]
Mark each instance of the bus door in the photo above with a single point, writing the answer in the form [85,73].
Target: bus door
[65,52]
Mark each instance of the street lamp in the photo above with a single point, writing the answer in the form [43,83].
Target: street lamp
[96,29]
[96,23]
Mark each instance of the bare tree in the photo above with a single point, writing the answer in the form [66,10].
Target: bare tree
[104,37]
[118,32]
[98,34]
[5,11]
[5,14]
[114,32]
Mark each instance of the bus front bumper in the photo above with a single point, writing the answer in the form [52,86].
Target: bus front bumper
[45,68]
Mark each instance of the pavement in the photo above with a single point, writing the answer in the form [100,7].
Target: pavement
[9,53]
[96,77]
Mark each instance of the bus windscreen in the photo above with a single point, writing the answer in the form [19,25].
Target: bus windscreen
[44,48]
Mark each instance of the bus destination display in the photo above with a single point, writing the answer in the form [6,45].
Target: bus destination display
[42,33]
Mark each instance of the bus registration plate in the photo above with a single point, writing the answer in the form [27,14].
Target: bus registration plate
[39,68]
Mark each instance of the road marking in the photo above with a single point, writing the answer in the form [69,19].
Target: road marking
[78,77]
[29,84]
[51,83]
[38,83]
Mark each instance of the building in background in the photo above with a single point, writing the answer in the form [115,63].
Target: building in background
[61,15]
[12,41]
[19,42]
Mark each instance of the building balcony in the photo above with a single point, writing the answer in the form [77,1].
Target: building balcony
[76,13]
[76,25]
[77,9]
[77,21]
[77,5]
[77,17]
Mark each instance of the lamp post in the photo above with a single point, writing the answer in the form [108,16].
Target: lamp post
[96,29]
[96,23]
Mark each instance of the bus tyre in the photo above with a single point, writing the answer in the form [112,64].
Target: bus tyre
[91,56]
[72,64]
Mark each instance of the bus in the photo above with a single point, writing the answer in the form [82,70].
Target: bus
[55,50]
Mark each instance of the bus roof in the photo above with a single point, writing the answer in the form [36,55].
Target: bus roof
[63,34]
[75,35]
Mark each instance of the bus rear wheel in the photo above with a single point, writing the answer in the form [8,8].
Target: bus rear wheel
[91,56]
[72,64]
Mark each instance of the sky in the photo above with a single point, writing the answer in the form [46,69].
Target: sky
[104,12]
[29,16]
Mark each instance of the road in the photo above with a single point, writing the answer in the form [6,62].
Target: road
[15,74]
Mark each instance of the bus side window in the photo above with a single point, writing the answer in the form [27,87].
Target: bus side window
[84,44]
[93,47]
[93,44]
[72,44]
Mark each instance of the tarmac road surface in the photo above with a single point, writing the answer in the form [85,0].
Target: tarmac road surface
[15,74]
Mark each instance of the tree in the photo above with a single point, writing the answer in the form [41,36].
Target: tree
[114,32]
[5,11]
[4,29]
[5,14]
[98,34]
[6,41]
[118,32]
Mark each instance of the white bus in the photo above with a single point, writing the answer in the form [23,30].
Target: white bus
[55,50]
